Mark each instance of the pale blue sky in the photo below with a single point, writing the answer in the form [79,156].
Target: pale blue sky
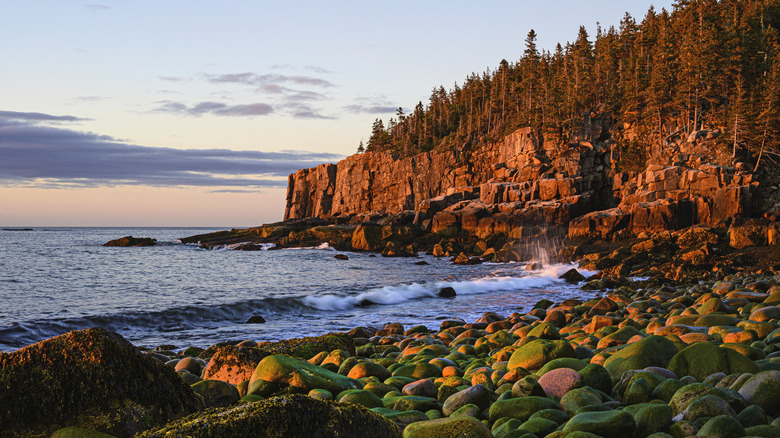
[107,92]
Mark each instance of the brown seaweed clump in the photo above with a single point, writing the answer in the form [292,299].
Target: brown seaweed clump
[285,416]
[91,378]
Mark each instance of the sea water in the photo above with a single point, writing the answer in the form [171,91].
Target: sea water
[54,280]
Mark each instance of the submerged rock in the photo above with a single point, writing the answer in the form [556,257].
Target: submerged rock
[91,378]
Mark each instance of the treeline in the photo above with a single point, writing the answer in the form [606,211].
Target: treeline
[706,63]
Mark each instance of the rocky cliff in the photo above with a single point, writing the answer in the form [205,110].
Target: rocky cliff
[529,179]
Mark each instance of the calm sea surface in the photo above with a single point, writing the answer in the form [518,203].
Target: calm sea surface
[54,280]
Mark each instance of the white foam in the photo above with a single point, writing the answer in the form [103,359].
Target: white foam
[405,292]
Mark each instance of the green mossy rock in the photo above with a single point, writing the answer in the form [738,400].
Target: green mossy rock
[693,391]
[763,430]
[468,410]
[666,389]
[722,426]
[447,428]
[597,377]
[651,351]
[702,359]
[576,399]
[418,371]
[361,397]
[753,415]
[556,415]
[320,394]
[280,417]
[545,330]
[402,419]
[284,374]
[535,354]
[216,393]
[308,347]
[707,406]
[413,403]
[79,432]
[521,408]
[650,418]
[564,362]
[91,378]
[539,426]
[763,389]
[608,424]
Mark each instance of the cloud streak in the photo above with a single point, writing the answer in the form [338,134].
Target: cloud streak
[37,155]
[216,108]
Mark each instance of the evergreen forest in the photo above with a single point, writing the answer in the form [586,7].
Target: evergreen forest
[706,64]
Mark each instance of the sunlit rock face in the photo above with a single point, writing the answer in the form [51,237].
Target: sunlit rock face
[530,179]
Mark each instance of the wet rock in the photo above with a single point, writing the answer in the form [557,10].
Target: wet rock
[361,397]
[341,257]
[724,426]
[109,386]
[291,415]
[189,364]
[446,292]
[128,241]
[256,319]
[572,276]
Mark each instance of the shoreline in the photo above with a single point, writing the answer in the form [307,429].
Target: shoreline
[676,360]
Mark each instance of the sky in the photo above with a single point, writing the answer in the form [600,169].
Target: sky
[193,113]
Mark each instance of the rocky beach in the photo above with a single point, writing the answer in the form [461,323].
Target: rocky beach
[644,358]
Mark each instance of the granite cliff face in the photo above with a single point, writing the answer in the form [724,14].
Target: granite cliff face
[530,180]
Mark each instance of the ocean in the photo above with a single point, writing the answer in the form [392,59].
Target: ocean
[54,280]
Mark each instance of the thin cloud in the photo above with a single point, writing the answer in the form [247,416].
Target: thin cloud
[318,69]
[300,110]
[216,108]
[37,117]
[371,105]
[259,80]
[36,155]
[97,7]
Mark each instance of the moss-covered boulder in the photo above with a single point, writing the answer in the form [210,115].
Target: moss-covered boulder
[521,407]
[763,389]
[280,417]
[279,374]
[447,427]
[650,418]
[722,426]
[477,395]
[650,351]
[91,378]
[702,359]
[608,424]
[308,347]
[535,354]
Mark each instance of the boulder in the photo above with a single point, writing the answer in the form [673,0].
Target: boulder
[477,395]
[461,426]
[216,392]
[650,351]
[283,374]
[286,416]
[108,384]
[607,424]
[132,241]
[521,407]
[702,359]
[533,355]
[763,389]
[367,237]
[234,364]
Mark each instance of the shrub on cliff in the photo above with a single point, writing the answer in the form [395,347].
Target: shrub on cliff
[92,378]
